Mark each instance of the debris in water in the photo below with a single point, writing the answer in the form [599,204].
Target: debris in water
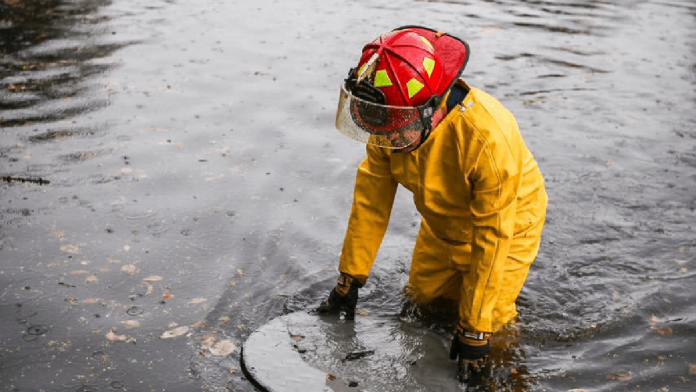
[72,249]
[119,338]
[154,278]
[176,332]
[39,181]
[92,279]
[222,348]
[240,272]
[666,331]
[358,354]
[622,376]
[692,369]
[196,301]
[130,269]
[131,323]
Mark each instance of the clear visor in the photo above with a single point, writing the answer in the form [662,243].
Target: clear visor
[381,125]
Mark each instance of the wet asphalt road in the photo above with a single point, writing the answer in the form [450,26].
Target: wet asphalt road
[171,180]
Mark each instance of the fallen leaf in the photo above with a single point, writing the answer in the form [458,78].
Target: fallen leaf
[119,338]
[666,331]
[130,269]
[208,342]
[79,272]
[692,369]
[222,348]
[196,301]
[89,301]
[176,332]
[57,233]
[331,377]
[69,249]
[240,272]
[153,278]
[623,376]
[92,279]
[131,323]
[199,324]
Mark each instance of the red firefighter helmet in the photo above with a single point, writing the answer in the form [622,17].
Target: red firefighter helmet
[402,77]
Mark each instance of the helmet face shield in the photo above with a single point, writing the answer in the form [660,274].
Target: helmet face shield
[382,125]
[402,77]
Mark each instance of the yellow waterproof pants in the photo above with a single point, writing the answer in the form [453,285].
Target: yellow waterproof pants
[439,268]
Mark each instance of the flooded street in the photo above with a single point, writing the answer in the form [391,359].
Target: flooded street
[172,180]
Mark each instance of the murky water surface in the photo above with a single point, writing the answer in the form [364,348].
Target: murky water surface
[171,180]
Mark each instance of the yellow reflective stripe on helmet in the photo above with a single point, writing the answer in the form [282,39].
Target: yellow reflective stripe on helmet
[362,69]
[429,65]
[425,40]
[414,87]
[382,79]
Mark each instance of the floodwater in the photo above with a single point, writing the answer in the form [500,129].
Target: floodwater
[171,181]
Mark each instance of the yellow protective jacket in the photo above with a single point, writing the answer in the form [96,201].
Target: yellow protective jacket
[474,182]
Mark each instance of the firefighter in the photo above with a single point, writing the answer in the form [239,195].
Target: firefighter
[475,184]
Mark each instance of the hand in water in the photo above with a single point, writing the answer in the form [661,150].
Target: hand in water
[343,297]
[470,355]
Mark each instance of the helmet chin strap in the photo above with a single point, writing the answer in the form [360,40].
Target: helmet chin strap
[434,104]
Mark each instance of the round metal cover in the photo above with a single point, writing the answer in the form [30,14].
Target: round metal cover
[307,352]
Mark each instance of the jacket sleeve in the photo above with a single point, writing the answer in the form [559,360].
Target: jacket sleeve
[495,182]
[373,198]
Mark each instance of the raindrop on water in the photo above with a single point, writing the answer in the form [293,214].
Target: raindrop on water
[37,330]
[134,311]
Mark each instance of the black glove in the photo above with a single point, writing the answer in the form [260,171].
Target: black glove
[343,297]
[470,350]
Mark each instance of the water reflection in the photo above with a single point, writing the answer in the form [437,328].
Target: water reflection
[51,50]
